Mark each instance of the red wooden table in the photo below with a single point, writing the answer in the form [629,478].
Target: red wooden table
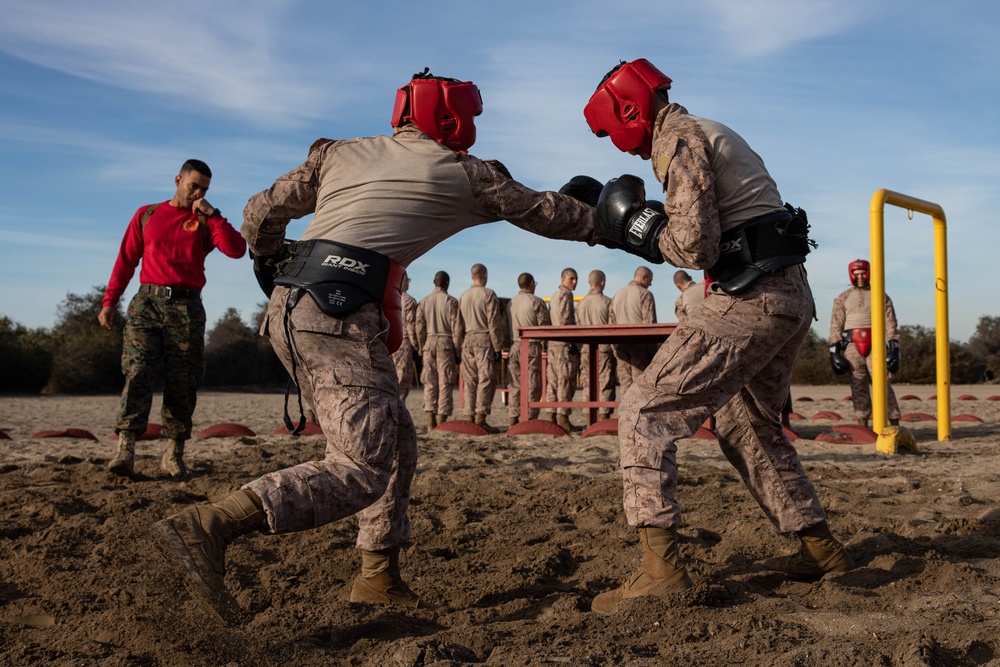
[591,336]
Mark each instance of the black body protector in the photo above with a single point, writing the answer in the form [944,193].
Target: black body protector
[761,245]
[339,278]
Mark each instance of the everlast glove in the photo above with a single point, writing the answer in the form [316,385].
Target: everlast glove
[892,357]
[624,221]
[584,189]
[838,363]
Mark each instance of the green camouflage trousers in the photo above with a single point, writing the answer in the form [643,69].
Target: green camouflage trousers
[171,331]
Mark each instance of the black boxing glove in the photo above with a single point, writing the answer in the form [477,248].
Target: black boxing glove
[838,363]
[584,189]
[626,222]
[892,357]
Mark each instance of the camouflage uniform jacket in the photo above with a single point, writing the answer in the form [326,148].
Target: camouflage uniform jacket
[713,182]
[852,309]
[401,196]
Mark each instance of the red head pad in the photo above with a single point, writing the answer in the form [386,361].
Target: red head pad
[622,106]
[442,108]
[859,265]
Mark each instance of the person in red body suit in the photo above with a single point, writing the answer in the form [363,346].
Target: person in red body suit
[377,204]
[166,319]
[850,342]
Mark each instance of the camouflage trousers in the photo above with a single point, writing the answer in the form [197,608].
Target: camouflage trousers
[861,377]
[371,448]
[605,376]
[439,375]
[733,357]
[514,378]
[403,359]
[163,331]
[631,359]
[479,374]
[562,367]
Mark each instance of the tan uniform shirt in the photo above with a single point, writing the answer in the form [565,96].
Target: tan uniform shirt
[527,310]
[438,316]
[852,309]
[401,196]
[700,203]
[689,299]
[633,304]
[480,310]
[561,307]
[594,309]
[409,322]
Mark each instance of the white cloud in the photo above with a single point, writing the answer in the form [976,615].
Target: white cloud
[217,55]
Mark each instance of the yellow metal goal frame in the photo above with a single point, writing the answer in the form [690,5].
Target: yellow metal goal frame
[879,373]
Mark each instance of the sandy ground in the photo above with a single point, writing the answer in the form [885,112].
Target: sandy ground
[516,535]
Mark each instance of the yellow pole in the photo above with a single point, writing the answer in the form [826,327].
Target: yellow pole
[879,373]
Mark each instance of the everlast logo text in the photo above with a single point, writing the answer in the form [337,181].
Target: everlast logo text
[346,263]
[640,225]
[730,246]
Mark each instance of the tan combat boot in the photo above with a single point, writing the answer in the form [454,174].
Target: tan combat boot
[431,421]
[862,421]
[514,421]
[481,421]
[173,459]
[124,462]
[442,419]
[381,583]
[820,553]
[563,422]
[197,537]
[660,574]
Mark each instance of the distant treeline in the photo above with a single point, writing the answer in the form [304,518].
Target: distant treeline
[78,356]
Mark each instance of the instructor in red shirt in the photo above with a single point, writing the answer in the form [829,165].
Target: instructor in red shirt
[166,319]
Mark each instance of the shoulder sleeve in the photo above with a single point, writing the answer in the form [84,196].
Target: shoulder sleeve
[837,318]
[891,325]
[292,196]
[548,214]
[682,162]
[129,254]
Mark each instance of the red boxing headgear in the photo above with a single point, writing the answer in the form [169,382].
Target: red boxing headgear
[622,106]
[859,265]
[442,108]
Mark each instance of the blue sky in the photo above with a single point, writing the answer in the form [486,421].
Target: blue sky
[100,103]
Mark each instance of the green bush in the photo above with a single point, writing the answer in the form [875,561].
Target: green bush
[25,357]
[86,358]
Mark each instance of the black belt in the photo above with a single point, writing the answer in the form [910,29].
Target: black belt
[170,292]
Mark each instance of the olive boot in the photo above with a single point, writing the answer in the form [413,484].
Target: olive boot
[660,574]
[442,419]
[563,422]
[124,462]
[380,581]
[481,421]
[821,553]
[431,421]
[197,537]
[173,459]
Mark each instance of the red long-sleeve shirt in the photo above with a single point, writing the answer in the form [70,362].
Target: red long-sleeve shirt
[172,249]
